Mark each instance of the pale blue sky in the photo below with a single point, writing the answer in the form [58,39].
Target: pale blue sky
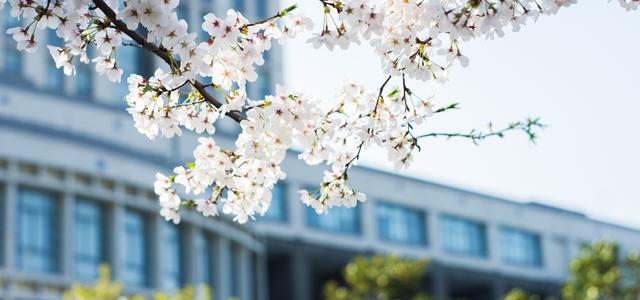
[577,70]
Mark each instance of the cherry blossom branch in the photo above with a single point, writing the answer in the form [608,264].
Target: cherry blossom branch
[528,126]
[161,53]
[280,14]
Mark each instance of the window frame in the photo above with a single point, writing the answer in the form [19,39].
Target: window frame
[421,214]
[309,211]
[284,190]
[146,239]
[483,254]
[102,248]
[54,236]
[538,259]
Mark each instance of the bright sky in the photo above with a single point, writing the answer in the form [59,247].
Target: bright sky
[577,70]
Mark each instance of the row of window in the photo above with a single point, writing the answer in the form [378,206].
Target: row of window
[401,224]
[38,242]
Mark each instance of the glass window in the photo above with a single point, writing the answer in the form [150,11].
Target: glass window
[205,8]
[400,224]
[37,228]
[12,62]
[55,76]
[520,247]
[337,219]
[128,59]
[183,11]
[172,257]
[462,236]
[278,209]
[262,9]
[84,78]
[136,264]
[239,6]
[89,237]
[205,254]
[262,86]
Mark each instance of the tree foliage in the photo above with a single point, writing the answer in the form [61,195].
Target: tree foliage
[106,289]
[599,272]
[379,278]
[602,272]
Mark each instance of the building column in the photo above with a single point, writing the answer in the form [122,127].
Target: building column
[116,251]
[440,288]
[262,287]
[190,252]
[493,243]
[244,274]
[68,231]
[368,221]
[433,234]
[498,289]
[295,208]
[116,235]
[223,268]
[156,250]
[301,275]
[9,226]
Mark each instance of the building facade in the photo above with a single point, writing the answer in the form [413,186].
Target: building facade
[75,182]
[75,191]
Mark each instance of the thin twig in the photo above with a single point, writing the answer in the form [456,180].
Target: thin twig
[529,127]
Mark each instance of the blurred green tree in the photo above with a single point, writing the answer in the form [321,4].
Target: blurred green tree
[599,272]
[379,278]
[106,289]
[602,272]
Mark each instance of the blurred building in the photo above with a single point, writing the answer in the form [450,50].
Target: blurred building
[75,191]
[75,182]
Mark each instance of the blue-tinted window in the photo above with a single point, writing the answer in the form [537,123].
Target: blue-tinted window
[171,275]
[136,244]
[239,6]
[89,238]
[55,76]
[12,62]
[205,255]
[520,247]
[263,85]
[278,209]
[128,59]
[183,11]
[462,236]
[84,81]
[37,228]
[205,8]
[337,219]
[400,224]
[84,78]
[262,7]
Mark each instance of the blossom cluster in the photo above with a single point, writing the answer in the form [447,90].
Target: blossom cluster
[417,39]
[421,38]
[242,179]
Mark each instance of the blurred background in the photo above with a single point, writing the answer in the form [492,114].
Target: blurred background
[76,177]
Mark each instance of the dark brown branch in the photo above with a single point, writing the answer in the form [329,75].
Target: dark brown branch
[162,53]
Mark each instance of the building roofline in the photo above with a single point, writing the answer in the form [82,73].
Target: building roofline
[528,204]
